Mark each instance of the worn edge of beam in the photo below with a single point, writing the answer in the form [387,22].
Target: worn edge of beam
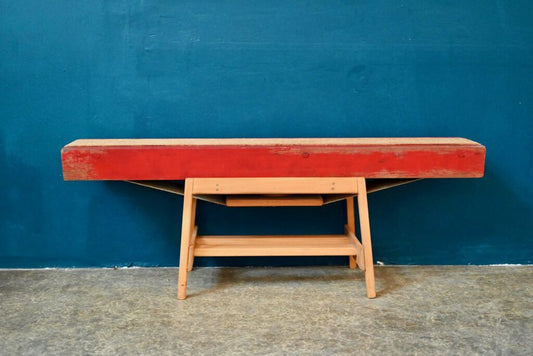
[325,141]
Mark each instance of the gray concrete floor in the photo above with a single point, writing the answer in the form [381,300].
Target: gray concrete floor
[267,311]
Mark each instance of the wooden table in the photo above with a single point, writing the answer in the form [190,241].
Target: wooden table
[274,172]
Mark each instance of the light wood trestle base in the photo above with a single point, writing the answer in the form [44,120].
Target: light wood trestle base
[277,192]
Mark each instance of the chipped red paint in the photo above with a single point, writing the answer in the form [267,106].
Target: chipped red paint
[179,161]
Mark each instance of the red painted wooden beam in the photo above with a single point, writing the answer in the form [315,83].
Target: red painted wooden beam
[176,159]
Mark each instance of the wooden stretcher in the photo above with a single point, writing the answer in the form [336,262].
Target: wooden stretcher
[274,172]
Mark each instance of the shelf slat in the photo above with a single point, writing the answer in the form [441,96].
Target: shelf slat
[274,245]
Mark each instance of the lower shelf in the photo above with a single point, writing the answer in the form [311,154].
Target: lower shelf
[274,245]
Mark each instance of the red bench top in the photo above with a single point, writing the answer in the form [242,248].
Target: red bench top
[177,159]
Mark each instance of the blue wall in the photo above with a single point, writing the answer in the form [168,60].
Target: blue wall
[97,69]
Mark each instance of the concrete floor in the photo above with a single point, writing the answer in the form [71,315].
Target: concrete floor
[267,311]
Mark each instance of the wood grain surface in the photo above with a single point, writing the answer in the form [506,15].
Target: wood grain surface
[177,159]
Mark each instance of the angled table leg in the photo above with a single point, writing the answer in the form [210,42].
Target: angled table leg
[187,226]
[191,245]
[350,212]
[194,233]
[364,221]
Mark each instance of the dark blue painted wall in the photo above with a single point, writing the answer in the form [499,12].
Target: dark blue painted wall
[97,69]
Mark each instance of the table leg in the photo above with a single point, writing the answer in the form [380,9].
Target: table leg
[187,225]
[351,226]
[191,248]
[364,222]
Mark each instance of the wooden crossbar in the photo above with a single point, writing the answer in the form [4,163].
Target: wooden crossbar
[274,245]
[275,185]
